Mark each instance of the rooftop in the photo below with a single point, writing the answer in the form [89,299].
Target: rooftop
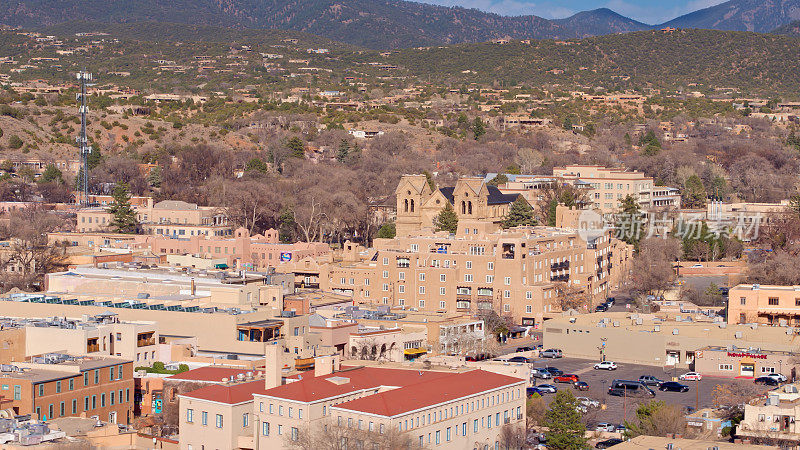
[232,394]
[409,389]
[209,374]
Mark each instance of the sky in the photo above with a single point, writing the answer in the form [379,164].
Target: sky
[647,11]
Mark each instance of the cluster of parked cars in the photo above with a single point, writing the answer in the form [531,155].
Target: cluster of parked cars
[773,379]
[557,376]
[605,306]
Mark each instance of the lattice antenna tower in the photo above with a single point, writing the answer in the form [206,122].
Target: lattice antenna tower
[83,142]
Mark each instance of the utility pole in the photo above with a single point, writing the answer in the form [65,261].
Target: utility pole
[82,140]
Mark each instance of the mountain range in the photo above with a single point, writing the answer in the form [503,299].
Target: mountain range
[384,24]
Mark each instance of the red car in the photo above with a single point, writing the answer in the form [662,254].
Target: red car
[567,378]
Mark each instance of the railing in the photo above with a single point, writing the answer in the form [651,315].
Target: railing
[146,342]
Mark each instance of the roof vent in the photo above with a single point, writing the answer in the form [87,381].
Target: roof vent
[337,380]
[674,331]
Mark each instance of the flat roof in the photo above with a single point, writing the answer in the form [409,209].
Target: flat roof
[209,374]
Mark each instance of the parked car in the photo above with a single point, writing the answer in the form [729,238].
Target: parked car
[581,385]
[766,381]
[601,308]
[610,301]
[696,266]
[548,388]
[533,390]
[608,443]
[690,376]
[650,380]
[524,349]
[673,386]
[607,427]
[778,376]
[606,365]
[588,402]
[554,371]
[519,359]
[541,373]
[567,378]
[630,388]
[551,353]
[621,428]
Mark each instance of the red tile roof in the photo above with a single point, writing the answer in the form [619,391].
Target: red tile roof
[426,393]
[311,388]
[209,374]
[414,389]
[230,394]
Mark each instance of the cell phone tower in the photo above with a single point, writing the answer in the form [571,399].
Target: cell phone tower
[82,140]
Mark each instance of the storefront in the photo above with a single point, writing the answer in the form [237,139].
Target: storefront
[745,363]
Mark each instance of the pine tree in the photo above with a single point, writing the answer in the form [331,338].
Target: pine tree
[154,177]
[287,225]
[342,155]
[694,193]
[51,173]
[296,147]
[478,128]
[429,179]
[563,420]
[520,214]
[124,217]
[446,220]
[387,231]
[629,216]
[256,164]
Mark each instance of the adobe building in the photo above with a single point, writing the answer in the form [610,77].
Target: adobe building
[738,362]
[770,305]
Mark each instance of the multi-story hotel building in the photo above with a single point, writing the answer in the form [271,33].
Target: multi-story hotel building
[773,305]
[604,187]
[516,272]
[166,218]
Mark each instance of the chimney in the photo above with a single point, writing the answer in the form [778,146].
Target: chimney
[326,365]
[272,367]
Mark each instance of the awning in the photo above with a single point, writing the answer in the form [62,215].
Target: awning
[414,351]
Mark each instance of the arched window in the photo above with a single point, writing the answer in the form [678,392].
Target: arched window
[469,208]
[406,207]
[412,205]
[463,207]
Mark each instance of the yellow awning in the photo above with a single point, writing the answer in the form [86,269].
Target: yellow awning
[414,351]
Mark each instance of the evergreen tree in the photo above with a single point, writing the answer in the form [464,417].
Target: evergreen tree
[257,165]
[429,179]
[563,420]
[519,214]
[567,123]
[629,215]
[478,128]
[499,179]
[287,225]
[296,147]
[51,173]
[514,169]
[694,193]
[154,177]
[387,231]
[344,151]
[95,158]
[124,217]
[649,143]
[446,220]
[551,213]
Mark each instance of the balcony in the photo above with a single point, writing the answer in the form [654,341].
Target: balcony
[559,266]
[145,339]
[564,278]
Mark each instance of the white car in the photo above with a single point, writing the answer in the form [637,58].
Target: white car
[691,376]
[778,376]
[606,365]
[588,402]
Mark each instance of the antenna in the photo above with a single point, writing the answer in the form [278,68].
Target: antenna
[82,140]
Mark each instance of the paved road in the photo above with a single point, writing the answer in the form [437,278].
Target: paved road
[618,409]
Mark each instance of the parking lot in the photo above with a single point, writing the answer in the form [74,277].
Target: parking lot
[618,408]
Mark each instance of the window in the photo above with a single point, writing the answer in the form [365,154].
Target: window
[442,305]
[300,413]
[218,421]
[489,278]
[265,428]
[280,410]
[506,294]
[74,406]
[85,378]
[62,409]
[401,288]
[422,277]
[96,376]
[103,400]
[385,274]
[94,402]
[469,265]
[528,309]
[71,384]
[190,415]
[475,426]
[438,437]
[422,303]
[385,287]
[442,291]
[447,434]
[422,289]
[119,371]
[506,308]
[726,367]
[442,278]
[491,265]
[86,403]
[245,420]
[204,418]
[58,387]
[290,412]
[111,397]
[294,434]
[773,301]
[41,390]
[468,278]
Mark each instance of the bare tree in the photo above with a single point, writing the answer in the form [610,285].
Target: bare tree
[513,437]
[29,254]
[328,435]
